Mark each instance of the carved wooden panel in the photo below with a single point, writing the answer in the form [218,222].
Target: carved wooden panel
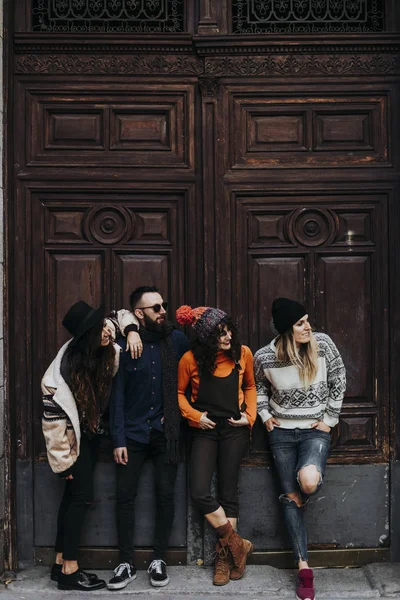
[97,245]
[338,130]
[267,227]
[332,130]
[271,276]
[60,278]
[141,269]
[311,226]
[153,226]
[64,225]
[330,252]
[70,277]
[276,130]
[347,308]
[357,433]
[356,227]
[106,223]
[150,129]
[75,129]
[137,127]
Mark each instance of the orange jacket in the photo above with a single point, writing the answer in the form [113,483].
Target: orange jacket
[188,373]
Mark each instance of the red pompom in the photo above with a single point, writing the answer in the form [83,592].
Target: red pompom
[184,315]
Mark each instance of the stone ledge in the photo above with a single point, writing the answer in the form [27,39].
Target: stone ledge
[190,582]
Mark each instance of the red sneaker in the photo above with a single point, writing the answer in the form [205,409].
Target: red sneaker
[305,585]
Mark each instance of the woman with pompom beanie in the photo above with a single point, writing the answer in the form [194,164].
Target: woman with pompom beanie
[221,412]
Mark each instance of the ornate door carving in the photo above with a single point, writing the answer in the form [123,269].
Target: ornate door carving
[227,169]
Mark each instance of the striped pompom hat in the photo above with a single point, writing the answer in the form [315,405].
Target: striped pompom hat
[203,319]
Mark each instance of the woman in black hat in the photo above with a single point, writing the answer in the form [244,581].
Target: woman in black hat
[76,389]
[301,380]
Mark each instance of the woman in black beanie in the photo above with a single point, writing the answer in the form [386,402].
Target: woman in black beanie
[300,379]
[76,389]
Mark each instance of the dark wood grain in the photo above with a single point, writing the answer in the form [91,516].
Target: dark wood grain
[228,170]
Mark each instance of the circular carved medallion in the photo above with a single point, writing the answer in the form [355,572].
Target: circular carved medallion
[108,225]
[312,226]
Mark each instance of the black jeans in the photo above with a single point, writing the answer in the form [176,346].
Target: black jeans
[224,448]
[78,496]
[127,483]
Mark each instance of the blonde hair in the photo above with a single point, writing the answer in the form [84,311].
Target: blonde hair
[305,358]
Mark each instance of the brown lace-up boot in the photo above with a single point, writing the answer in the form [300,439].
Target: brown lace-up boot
[222,565]
[240,550]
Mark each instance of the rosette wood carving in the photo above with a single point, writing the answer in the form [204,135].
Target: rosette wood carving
[109,225]
[312,226]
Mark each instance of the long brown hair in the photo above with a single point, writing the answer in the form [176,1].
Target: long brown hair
[91,370]
[305,358]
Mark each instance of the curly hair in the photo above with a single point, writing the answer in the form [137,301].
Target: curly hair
[205,352]
[91,370]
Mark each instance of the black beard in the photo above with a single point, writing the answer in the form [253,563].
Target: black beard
[154,326]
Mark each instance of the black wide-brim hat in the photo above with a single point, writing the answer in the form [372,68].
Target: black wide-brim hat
[80,318]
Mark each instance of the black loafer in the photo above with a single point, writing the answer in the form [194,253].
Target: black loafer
[81,581]
[56,570]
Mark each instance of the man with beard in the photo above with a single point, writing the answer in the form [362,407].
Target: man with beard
[145,422]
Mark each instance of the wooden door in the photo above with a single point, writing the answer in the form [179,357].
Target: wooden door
[109,204]
[303,214]
[193,150]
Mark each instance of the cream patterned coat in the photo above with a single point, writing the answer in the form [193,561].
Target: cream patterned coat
[60,423]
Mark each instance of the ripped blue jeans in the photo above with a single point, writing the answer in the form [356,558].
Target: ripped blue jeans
[294,449]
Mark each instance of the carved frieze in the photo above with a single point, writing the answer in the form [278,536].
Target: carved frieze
[210,56]
[303,65]
[77,64]
[310,66]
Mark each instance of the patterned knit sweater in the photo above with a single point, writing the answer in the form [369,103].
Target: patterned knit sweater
[280,392]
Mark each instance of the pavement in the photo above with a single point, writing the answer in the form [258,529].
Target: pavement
[380,580]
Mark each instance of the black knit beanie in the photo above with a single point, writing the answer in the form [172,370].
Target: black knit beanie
[285,313]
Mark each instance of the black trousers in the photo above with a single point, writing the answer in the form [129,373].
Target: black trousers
[127,483]
[78,496]
[222,448]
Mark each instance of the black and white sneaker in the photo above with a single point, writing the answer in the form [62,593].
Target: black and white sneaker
[158,573]
[123,574]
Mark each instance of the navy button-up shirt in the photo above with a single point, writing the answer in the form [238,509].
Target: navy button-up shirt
[136,404]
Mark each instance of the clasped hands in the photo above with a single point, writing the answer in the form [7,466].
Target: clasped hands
[206,423]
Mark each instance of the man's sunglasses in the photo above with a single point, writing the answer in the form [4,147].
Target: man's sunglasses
[155,307]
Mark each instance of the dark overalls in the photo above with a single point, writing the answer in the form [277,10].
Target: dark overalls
[222,447]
